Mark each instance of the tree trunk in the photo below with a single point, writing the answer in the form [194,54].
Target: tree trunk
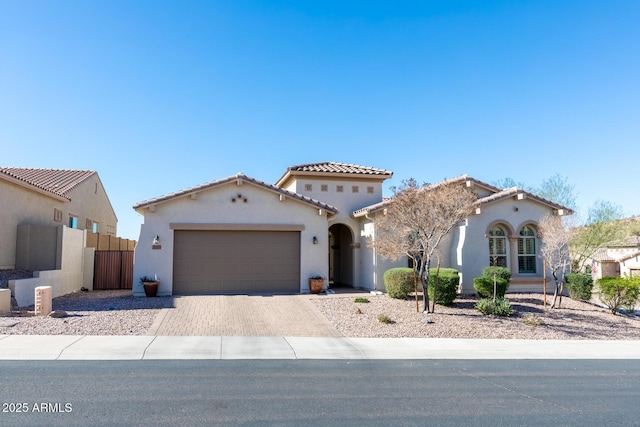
[415,285]
[557,291]
[435,288]
[424,277]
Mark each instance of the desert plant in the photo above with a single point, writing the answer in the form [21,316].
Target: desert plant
[399,282]
[448,282]
[618,292]
[383,318]
[580,286]
[484,286]
[499,307]
[532,320]
[361,299]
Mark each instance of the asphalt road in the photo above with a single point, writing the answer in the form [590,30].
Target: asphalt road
[327,393]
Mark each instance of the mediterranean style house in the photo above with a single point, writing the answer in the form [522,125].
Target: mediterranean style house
[46,198]
[242,235]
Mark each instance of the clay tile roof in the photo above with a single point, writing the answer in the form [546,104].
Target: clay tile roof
[514,191]
[333,167]
[56,181]
[243,177]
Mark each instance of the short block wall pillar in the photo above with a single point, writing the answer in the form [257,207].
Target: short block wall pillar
[5,301]
[43,301]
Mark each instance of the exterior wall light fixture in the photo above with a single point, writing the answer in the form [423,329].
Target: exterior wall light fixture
[315,240]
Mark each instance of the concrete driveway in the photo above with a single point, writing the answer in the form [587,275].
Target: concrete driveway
[243,315]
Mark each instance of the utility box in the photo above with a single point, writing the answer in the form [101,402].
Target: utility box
[5,301]
[43,300]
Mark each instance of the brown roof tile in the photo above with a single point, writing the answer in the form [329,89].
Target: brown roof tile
[56,181]
[333,167]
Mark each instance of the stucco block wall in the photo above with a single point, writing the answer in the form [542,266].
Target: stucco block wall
[215,206]
[69,277]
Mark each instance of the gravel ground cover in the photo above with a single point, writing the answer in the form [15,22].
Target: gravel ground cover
[112,312]
[575,320]
[119,313]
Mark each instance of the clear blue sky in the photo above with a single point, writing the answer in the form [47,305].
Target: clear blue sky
[157,96]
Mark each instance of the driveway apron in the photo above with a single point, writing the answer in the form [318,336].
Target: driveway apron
[243,315]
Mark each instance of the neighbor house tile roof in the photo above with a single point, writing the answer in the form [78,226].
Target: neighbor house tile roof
[59,182]
[239,176]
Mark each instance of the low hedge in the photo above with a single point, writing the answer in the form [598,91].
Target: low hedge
[580,286]
[484,286]
[448,283]
[399,283]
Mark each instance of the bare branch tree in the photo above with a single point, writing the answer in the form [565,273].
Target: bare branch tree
[555,251]
[416,220]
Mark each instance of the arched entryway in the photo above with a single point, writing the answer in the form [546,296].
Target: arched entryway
[340,255]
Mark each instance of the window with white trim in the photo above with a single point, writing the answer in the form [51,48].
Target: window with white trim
[497,247]
[527,250]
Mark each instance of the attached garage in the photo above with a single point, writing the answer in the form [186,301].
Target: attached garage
[233,261]
[236,235]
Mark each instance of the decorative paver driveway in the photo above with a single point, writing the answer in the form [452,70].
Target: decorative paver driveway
[243,315]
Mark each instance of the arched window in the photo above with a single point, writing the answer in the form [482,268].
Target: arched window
[497,247]
[527,250]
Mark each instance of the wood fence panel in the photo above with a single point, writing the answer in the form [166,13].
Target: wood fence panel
[113,270]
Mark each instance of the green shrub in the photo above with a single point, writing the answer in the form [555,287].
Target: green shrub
[501,307]
[501,272]
[580,286]
[399,282]
[361,299]
[618,292]
[484,286]
[448,283]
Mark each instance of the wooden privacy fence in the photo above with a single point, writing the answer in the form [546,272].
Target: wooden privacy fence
[113,262]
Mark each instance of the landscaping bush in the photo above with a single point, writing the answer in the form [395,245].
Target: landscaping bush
[501,307]
[618,292]
[447,285]
[484,286]
[398,282]
[580,286]
[501,272]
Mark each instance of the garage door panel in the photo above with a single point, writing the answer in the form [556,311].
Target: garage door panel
[236,261]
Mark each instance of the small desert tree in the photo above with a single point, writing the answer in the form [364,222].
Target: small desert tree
[602,227]
[417,218]
[555,251]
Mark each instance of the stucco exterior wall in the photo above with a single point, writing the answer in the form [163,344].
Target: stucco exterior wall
[630,266]
[215,206]
[89,200]
[471,257]
[372,265]
[69,277]
[21,206]
[24,206]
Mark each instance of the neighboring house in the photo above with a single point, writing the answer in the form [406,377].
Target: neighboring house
[617,259]
[49,197]
[241,235]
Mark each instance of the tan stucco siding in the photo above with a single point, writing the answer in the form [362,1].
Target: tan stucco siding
[90,201]
[474,256]
[21,206]
[217,206]
[346,201]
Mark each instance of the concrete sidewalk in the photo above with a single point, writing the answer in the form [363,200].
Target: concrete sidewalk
[66,347]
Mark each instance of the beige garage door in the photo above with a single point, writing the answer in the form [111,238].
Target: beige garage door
[236,261]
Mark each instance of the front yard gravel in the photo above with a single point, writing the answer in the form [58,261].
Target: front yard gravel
[119,313]
[575,320]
